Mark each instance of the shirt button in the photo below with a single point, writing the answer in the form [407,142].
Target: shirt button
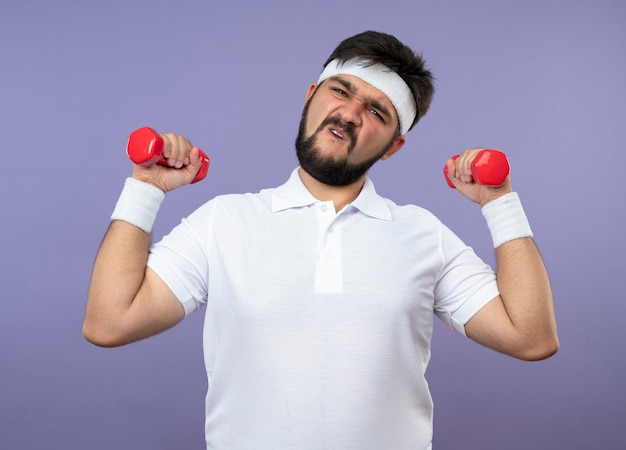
[331,229]
[329,256]
[323,208]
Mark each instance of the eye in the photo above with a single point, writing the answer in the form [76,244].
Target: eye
[375,113]
[340,91]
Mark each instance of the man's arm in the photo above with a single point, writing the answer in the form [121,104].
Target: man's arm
[126,300]
[521,321]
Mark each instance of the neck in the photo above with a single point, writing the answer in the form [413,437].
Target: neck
[339,195]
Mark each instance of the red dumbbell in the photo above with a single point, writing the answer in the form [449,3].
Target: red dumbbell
[489,167]
[145,148]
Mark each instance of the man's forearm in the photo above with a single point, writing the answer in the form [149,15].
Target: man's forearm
[520,322]
[117,275]
[527,297]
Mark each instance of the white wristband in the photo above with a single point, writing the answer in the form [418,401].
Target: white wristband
[138,204]
[506,219]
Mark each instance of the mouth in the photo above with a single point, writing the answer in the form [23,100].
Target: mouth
[337,133]
[340,131]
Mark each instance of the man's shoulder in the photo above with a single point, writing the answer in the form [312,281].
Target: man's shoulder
[245,199]
[408,210]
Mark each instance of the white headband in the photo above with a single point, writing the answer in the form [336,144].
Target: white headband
[383,79]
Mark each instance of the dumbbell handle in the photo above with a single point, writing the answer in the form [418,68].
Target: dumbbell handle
[489,167]
[145,148]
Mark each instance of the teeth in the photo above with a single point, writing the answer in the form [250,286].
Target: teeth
[336,133]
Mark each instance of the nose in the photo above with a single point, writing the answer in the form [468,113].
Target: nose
[351,110]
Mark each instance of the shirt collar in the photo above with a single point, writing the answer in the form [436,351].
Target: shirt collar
[372,204]
[293,194]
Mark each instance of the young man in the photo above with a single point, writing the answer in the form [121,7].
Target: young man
[320,295]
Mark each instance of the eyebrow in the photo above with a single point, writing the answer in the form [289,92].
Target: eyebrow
[372,101]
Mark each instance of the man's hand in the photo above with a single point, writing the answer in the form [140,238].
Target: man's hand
[183,160]
[460,174]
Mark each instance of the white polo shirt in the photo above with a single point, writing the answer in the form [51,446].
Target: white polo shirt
[318,324]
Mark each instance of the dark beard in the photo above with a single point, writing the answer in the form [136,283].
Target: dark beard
[326,169]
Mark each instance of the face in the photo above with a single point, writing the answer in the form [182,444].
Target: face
[347,125]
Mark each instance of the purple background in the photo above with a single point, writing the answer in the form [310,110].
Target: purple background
[542,80]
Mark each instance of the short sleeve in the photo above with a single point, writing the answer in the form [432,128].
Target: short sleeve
[465,285]
[180,259]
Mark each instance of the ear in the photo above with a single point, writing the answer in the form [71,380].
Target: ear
[395,146]
[309,92]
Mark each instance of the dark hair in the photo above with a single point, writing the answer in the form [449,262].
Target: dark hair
[382,48]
